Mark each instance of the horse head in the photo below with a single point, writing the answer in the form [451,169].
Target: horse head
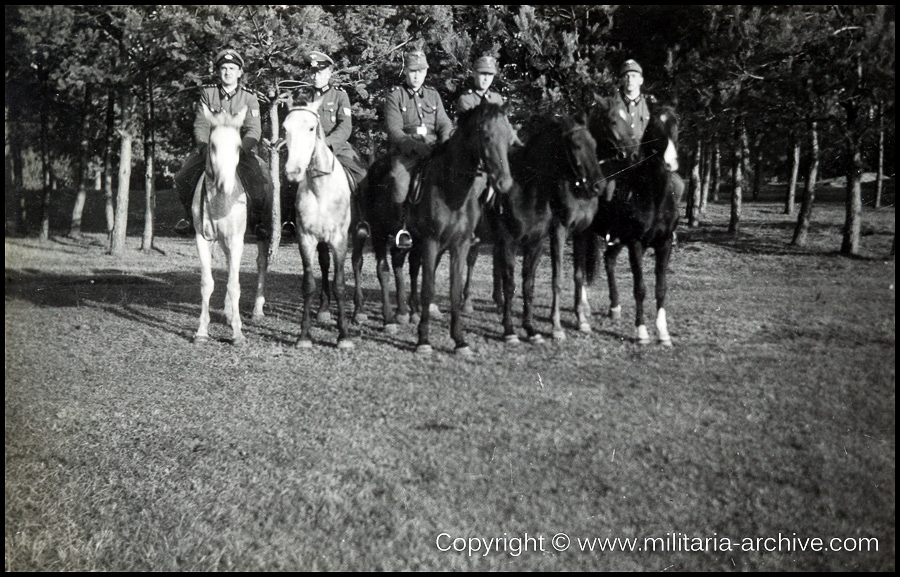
[488,127]
[661,138]
[224,150]
[581,152]
[304,139]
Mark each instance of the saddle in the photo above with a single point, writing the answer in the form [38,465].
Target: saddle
[415,181]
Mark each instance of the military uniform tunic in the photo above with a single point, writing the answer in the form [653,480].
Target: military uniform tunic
[470,99]
[632,117]
[415,122]
[250,167]
[336,118]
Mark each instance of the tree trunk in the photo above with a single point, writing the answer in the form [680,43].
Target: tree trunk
[852,224]
[801,232]
[45,162]
[15,173]
[706,164]
[275,173]
[738,188]
[693,216]
[746,165]
[757,171]
[83,162]
[795,172]
[149,188]
[117,245]
[879,182]
[107,161]
[716,172]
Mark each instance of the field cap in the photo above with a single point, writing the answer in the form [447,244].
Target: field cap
[486,64]
[415,60]
[229,56]
[631,66]
[319,60]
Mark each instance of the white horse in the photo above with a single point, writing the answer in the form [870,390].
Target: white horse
[323,211]
[220,215]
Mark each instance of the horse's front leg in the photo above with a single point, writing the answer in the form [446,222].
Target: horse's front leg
[609,262]
[398,259]
[429,259]
[262,266]
[340,254]
[557,242]
[580,246]
[506,264]
[356,261]
[458,256]
[415,265]
[307,254]
[471,259]
[530,261]
[324,314]
[234,252]
[636,258]
[662,254]
[382,269]
[204,249]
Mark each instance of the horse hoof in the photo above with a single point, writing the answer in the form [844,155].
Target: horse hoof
[323,317]
[464,351]
[615,313]
[360,318]
[511,339]
[468,308]
[414,319]
[239,341]
[559,335]
[201,339]
[303,344]
[346,344]
[424,349]
[435,312]
[402,319]
[391,329]
[585,328]
[666,343]
[257,317]
[536,339]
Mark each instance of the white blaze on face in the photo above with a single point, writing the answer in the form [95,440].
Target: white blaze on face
[670,155]
[225,152]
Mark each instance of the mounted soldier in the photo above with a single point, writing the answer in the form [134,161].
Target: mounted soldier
[416,121]
[228,95]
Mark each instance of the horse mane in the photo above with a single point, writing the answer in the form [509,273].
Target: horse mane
[468,121]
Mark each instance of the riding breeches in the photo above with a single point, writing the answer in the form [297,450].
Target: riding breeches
[402,167]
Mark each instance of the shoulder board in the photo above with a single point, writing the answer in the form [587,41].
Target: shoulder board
[256,93]
[210,86]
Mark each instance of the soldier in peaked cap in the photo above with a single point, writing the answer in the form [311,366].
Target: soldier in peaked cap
[335,117]
[416,121]
[228,95]
[483,72]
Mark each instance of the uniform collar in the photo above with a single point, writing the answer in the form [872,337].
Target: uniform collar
[420,92]
[321,91]
[632,101]
[225,94]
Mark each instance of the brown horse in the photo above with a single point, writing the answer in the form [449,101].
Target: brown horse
[444,215]
[557,179]
[642,211]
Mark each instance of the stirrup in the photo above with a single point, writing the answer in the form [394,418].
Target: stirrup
[184,227]
[403,240]
[363,231]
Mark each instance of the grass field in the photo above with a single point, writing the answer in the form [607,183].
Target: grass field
[773,417]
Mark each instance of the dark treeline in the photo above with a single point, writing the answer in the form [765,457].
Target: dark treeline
[769,91]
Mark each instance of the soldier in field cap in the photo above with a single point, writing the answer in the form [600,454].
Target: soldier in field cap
[483,72]
[228,95]
[416,121]
[335,116]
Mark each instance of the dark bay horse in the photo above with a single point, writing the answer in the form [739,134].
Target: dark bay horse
[445,214]
[557,179]
[642,210]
